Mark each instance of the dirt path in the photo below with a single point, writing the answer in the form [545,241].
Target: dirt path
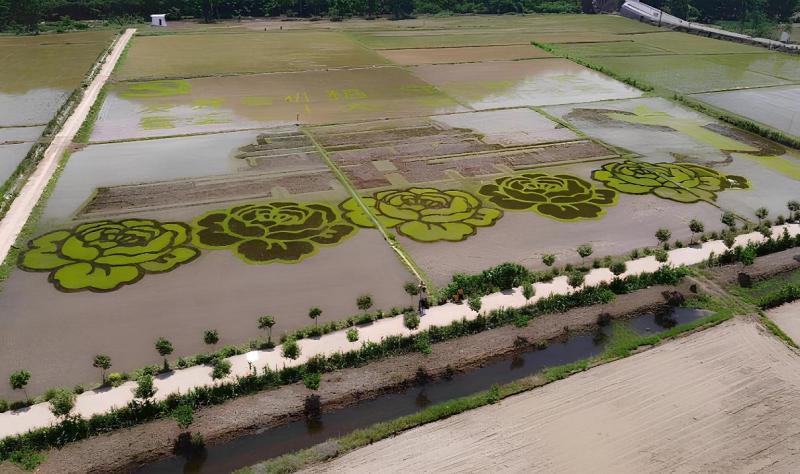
[23,205]
[722,400]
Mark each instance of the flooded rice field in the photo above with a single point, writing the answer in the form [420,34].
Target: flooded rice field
[469,54]
[766,105]
[519,83]
[271,161]
[160,108]
[192,55]
[39,72]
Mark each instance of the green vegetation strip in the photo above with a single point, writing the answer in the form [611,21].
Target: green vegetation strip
[622,343]
[83,134]
[404,257]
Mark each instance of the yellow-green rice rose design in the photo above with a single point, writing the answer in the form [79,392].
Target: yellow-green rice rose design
[562,197]
[680,182]
[425,214]
[106,255]
[268,232]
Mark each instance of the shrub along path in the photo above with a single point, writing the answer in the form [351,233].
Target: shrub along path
[181,381]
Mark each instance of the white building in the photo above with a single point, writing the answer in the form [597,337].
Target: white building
[158,20]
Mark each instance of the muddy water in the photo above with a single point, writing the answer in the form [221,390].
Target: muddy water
[462,55]
[142,162]
[314,97]
[248,450]
[778,107]
[32,107]
[10,157]
[38,72]
[521,83]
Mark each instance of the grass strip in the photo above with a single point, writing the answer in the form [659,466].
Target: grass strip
[404,256]
[777,331]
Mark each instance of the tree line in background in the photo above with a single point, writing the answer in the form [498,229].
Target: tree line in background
[742,11]
[26,15]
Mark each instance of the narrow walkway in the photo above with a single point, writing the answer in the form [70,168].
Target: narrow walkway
[25,202]
[181,381]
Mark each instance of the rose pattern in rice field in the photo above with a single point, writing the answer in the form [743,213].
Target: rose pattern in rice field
[680,182]
[424,214]
[267,232]
[562,197]
[107,255]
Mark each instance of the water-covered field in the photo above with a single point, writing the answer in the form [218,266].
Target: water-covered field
[263,167]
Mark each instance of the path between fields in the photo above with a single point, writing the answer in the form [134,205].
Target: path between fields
[726,399]
[181,381]
[11,225]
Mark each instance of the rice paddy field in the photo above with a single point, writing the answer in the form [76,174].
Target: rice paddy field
[264,167]
[37,76]
[746,82]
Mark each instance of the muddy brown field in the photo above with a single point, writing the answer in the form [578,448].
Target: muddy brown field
[722,400]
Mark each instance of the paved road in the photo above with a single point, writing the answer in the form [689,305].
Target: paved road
[23,205]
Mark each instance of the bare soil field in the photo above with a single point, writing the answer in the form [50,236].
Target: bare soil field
[720,400]
[787,317]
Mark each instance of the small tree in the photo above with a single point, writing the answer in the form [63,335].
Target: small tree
[695,227]
[266,323]
[618,268]
[314,314]
[183,415]
[62,402]
[528,291]
[164,348]
[290,349]
[576,279]
[728,219]
[412,289]
[794,209]
[475,304]
[145,389]
[352,334]
[19,380]
[661,256]
[411,320]
[728,239]
[312,380]
[221,368]
[761,214]
[211,337]
[364,302]
[584,251]
[663,234]
[102,362]
[548,259]
[766,231]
